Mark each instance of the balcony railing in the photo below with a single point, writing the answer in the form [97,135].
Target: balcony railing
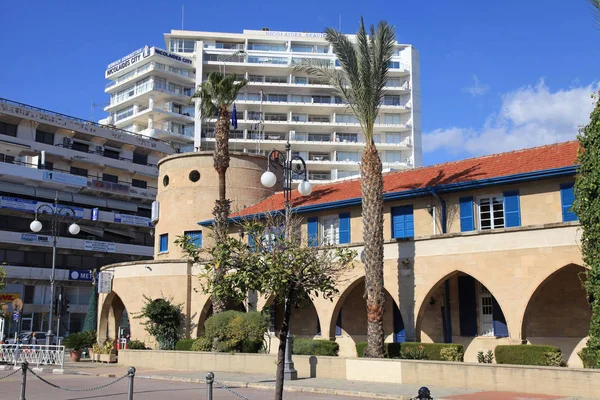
[319,176]
[101,153]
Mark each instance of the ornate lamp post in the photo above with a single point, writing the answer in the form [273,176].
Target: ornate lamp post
[56,214]
[269,179]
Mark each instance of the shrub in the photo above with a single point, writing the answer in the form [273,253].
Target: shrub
[487,358]
[360,348]
[431,351]
[525,354]
[392,350]
[237,331]
[162,319]
[411,353]
[589,358]
[202,344]
[184,344]
[309,347]
[451,354]
[77,341]
[136,345]
[555,359]
[89,338]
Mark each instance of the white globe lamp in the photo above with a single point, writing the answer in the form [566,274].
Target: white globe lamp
[35,226]
[305,188]
[268,179]
[74,229]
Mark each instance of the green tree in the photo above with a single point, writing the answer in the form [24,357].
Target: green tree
[2,276]
[162,320]
[91,318]
[277,266]
[587,207]
[360,83]
[216,94]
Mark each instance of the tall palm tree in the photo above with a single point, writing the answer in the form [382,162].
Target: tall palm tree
[596,11]
[216,94]
[360,82]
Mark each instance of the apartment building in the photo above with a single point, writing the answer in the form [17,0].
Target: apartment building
[279,104]
[107,178]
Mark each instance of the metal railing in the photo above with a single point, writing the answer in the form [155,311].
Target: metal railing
[32,354]
[81,121]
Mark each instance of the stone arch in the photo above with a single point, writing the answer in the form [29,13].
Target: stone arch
[350,327]
[557,313]
[305,321]
[111,313]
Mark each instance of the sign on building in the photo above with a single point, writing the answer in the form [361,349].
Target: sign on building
[105,282]
[104,247]
[80,276]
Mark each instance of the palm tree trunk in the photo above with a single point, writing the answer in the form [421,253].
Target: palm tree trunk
[222,205]
[372,213]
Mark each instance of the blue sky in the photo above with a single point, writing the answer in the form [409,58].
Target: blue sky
[495,76]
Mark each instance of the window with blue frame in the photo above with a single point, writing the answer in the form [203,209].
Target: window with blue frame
[567,197]
[195,237]
[163,243]
[403,222]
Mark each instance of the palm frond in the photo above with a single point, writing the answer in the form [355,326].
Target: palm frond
[217,91]
[596,11]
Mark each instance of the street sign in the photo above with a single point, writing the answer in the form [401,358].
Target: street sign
[105,282]
[15,316]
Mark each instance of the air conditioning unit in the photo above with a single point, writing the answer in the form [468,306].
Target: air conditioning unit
[154,212]
[99,149]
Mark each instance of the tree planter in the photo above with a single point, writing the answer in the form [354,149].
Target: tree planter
[107,358]
[75,355]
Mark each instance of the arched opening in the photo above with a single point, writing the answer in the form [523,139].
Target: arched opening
[350,319]
[114,319]
[207,312]
[458,309]
[559,314]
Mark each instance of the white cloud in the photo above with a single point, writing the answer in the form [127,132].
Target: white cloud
[478,88]
[529,116]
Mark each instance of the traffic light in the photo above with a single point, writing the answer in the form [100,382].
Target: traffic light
[65,306]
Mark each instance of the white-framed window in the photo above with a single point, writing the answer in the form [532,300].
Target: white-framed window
[330,229]
[490,212]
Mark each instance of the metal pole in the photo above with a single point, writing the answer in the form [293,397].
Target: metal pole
[50,335]
[58,318]
[131,374]
[24,366]
[210,378]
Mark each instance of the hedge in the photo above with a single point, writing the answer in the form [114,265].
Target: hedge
[394,350]
[309,347]
[525,354]
[184,344]
[235,331]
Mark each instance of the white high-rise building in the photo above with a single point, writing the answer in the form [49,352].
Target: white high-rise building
[150,92]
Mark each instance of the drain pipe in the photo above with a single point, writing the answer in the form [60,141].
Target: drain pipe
[443,209]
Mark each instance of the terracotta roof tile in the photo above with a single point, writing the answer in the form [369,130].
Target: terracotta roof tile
[472,169]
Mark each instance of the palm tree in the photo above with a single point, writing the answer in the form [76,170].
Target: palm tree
[216,94]
[596,10]
[360,82]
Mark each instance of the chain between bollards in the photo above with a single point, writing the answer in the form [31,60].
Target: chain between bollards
[131,375]
[24,367]
[210,378]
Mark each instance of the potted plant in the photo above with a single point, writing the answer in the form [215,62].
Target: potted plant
[76,342]
[107,352]
[90,341]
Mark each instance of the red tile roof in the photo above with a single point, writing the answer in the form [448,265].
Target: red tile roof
[472,169]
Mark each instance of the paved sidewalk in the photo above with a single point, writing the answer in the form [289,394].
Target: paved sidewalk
[304,384]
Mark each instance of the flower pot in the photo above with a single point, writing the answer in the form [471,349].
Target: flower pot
[75,355]
[108,358]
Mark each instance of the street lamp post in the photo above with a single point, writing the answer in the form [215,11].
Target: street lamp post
[56,213]
[269,179]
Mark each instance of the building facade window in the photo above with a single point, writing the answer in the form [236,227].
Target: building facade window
[138,183]
[567,197]
[163,243]
[330,229]
[195,237]
[179,45]
[8,129]
[110,178]
[78,146]
[111,154]
[392,119]
[79,171]
[491,212]
[403,222]
[44,137]
[141,159]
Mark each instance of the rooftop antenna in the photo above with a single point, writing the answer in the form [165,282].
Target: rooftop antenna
[182,13]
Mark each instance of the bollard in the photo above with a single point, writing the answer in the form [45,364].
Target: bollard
[210,378]
[24,367]
[131,375]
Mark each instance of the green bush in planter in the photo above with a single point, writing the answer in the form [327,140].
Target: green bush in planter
[589,358]
[526,354]
[432,351]
[235,331]
[202,344]
[136,345]
[77,341]
[184,344]
[309,347]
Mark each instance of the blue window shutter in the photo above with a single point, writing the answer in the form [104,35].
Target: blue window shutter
[164,242]
[195,237]
[512,209]
[467,222]
[251,242]
[500,328]
[313,231]
[467,306]
[399,330]
[344,228]
[567,197]
[403,222]
[338,324]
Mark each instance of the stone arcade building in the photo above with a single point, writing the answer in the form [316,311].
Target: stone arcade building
[482,251]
